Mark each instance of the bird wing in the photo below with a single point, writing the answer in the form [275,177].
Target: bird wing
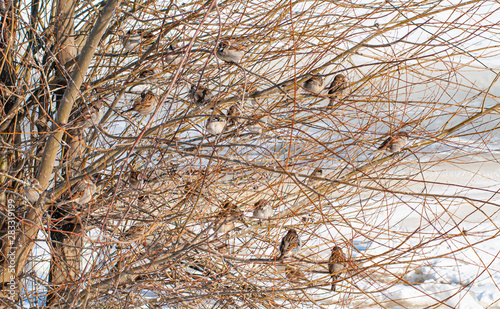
[387,143]
[336,86]
[289,242]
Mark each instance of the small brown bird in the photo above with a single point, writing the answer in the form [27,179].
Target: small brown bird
[90,116]
[226,217]
[318,172]
[394,143]
[136,179]
[255,127]
[215,125]
[190,190]
[137,232]
[76,145]
[147,73]
[336,264]
[33,190]
[337,88]
[294,274]
[172,56]
[233,115]
[199,95]
[290,245]
[82,192]
[132,38]
[229,52]
[262,209]
[314,84]
[145,104]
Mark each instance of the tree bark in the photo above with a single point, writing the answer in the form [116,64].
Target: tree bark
[66,246]
[8,78]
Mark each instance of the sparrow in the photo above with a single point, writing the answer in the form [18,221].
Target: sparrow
[314,84]
[76,145]
[190,190]
[290,245]
[199,94]
[226,217]
[318,172]
[215,125]
[90,116]
[336,264]
[234,116]
[337,88]
[147,73]
[137,231]
[172,57]
[230,53]
[294,274]
[394,143]
[82,192]
[172,168]
[32,190]
[131,39]
[262,210]
[254,127]
[136,179]
[145,104]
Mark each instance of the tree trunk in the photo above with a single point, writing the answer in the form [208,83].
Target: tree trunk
[26,233]
[65,238]
[8,26]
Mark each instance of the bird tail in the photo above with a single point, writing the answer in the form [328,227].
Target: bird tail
[334,280]
[128,111]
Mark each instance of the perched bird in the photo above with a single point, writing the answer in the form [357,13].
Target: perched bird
[290,245]
[190,191]
[147,73]
[294,274]
[229,52]
[172,168]
[90,116]
[172,57]
[136,179]
[82,193]
[262,210]
[76,145]
[336,264]
[314,84]
[215,125]
[132,38]
[234,116]
[199,94]
[337,88]
[318,172]
[145,104]
[226,218]
[33,190]
[255,127]
[394,143]
[137,232]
